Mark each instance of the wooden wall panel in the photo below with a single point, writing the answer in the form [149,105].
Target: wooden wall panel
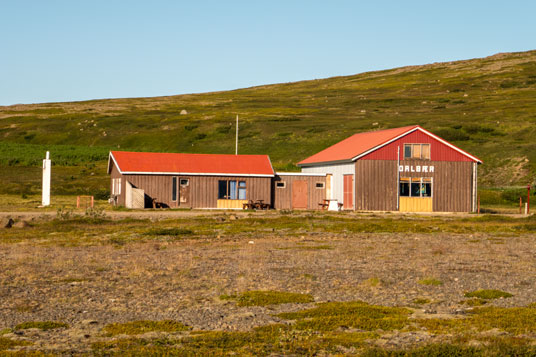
[375,185]
[203,189]
[283,196]
[452,183]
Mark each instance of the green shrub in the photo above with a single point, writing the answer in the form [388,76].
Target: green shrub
[451,134]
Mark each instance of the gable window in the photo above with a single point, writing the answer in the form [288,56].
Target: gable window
[231,190]
[417,151]
[415,187]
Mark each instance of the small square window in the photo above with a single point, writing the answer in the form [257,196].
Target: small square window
[320,185]
[280,184]
[185,182]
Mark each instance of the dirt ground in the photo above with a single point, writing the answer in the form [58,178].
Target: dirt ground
[91,286]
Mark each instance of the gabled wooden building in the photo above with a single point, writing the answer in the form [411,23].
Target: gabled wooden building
[142,179]
[403,169]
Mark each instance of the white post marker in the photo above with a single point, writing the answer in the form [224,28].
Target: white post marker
[46,181]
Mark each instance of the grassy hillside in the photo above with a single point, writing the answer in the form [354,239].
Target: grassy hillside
[486,106]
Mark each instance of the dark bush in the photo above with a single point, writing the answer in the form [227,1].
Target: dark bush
[450,134]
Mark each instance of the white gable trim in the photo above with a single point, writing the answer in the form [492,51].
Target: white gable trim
[112,158]
[425,132]
[450,145]
[386,143]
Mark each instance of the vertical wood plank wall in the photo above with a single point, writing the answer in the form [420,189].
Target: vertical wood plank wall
[203,189]
[283,196]
[375,185]
[376,182]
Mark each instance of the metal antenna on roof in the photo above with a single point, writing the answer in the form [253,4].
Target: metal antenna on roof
[236,149]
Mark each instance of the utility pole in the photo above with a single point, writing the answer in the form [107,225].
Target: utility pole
[236,148]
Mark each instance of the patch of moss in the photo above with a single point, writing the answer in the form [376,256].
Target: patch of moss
[488,294]
[519,320]
[7,343]
[42,325]
[333,315]
[264,298]
[168,232]
[143,326]
[430,281]
[373,281]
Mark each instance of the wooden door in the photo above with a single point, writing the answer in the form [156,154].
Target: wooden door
[299,194]
[348,192]
[184,192]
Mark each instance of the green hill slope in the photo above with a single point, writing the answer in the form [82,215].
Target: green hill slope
[486,106]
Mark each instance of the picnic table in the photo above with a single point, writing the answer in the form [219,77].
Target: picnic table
[258,204]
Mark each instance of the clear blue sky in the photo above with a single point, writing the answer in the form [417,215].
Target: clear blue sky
[77,50]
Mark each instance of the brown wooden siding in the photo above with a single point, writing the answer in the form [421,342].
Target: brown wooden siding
[376,182]
[375,185]
[114,173]
[283,196]
[203,189]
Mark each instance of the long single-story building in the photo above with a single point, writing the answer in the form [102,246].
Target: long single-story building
[404,169]
[143,179]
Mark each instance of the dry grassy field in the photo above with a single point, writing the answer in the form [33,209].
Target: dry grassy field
[252,283]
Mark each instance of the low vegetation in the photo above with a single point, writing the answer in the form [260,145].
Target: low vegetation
[76,228]
[430,281]
[143,326]
[42,325]
[265,298]
[8,343]
[357,315]
[351,327]
[488,294]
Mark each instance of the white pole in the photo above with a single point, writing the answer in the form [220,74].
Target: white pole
[398,178]
[236,149]
[46,181]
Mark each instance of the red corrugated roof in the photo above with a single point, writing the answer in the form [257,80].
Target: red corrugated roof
[171,163]
[356,145]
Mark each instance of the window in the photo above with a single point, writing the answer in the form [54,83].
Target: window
[241,190]
[319,185]
[116,186]
[415,187]
[417,151]
[231,190]
[174,189]
[426,189]
[185,182]
[280,184]
[404,187]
